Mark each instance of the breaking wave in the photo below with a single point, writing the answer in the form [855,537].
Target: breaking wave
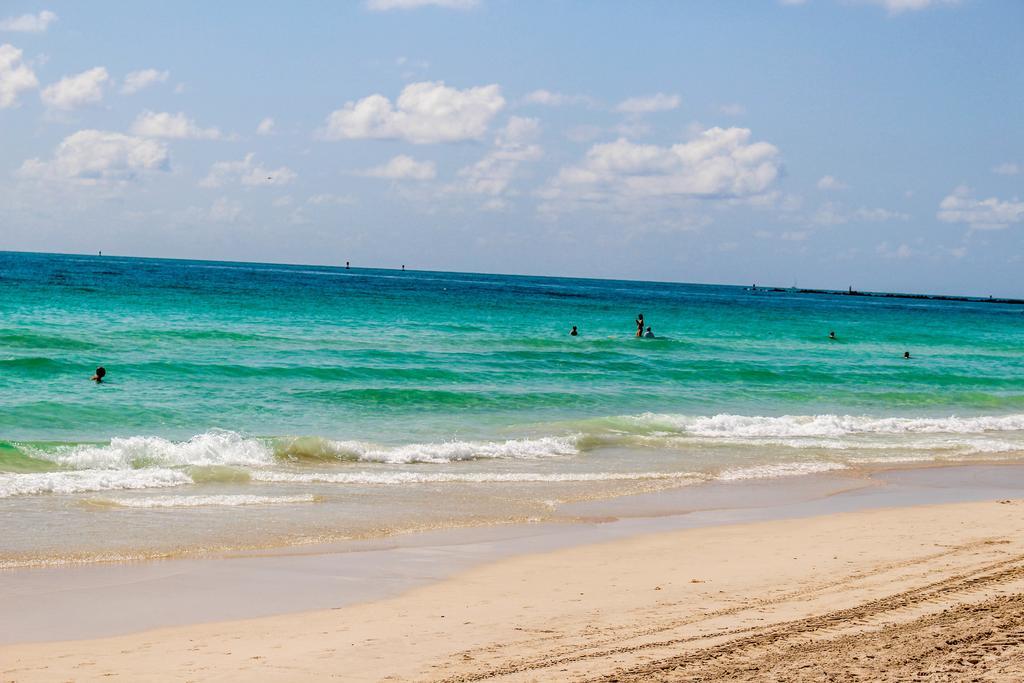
[89,480]
[229,458]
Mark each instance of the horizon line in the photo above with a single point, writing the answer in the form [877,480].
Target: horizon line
[402,268]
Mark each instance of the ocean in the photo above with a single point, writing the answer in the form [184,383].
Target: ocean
[256,405]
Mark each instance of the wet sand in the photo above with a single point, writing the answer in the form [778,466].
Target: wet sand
[867,584]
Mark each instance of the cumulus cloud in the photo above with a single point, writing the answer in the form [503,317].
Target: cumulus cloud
[15,76]
[549,98]
[266,126]
[151,124]
[719,163]
[75,91]
[493,175]
[247,172]
[137,80]
[831,183]
[1008,168]
[29,23]
[91,157]
[426,112]
[649,104]
[403,167]
[387,5]
[961,206]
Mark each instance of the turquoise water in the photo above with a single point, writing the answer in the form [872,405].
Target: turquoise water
[297,385]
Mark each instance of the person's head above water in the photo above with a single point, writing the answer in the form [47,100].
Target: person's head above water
[100,374]
[906,354]
[831,335]
[573,332]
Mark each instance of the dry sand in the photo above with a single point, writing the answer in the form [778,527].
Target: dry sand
[932,593]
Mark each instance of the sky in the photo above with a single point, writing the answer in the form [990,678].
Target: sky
[876,144]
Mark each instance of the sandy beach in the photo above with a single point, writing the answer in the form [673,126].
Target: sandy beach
[925,592]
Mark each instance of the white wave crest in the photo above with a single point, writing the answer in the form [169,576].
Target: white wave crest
[453,451]
[202,501]
[393,478]
[211,448]
[89,480]
[825,426]
[785,469]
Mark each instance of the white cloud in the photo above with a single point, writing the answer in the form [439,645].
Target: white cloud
[733,109]
[900,252]
[549,98]
[649,104]
[717,164]
[899,6]
[29,23]
[225,210]
[91,157]
[137,80]
[386,5]
[492,176]
[15,76]
[831,183]
[879,215]
[833,213]
[247,172]
[412,65]
[266,126]
[426,112]
[151,124]
[327,199]
[1007,168]
[961,206]
[403,167]
[75,91]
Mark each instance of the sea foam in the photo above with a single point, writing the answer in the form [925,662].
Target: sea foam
[784,469]
[89,480]
[231,500]
[394,478]
[216,447]
[822,426]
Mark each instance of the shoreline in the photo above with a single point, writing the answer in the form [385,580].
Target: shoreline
[59,603]
[681,499]
[871,588]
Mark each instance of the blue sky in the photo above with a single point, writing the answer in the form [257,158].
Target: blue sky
[873,143]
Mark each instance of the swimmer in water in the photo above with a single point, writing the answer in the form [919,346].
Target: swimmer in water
[573,333]
[649,334]
[832,335]
[101,372]
[906,355]
[640,325]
